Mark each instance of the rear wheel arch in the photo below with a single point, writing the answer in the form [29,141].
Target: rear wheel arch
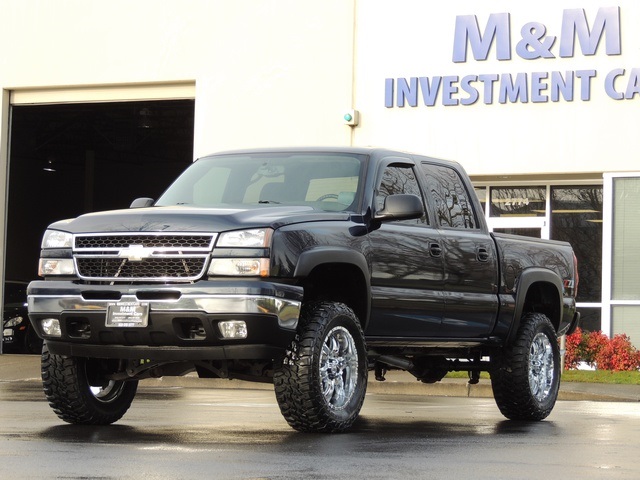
[538,290]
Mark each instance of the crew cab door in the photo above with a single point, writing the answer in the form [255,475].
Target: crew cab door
[407,263]
[470,284]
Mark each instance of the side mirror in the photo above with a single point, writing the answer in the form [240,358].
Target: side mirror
[401,207]
[142,202]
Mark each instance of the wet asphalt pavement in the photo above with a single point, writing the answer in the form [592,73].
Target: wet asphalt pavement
[178,432]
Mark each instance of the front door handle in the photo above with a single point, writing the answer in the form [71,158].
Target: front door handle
[482,254]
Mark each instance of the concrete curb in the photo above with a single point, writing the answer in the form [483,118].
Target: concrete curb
[402,383]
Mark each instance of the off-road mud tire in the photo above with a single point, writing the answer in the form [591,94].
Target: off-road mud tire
[67,388]
[527,380]
[321,381]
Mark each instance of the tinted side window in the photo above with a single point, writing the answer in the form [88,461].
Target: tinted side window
[399,180]
[450,197]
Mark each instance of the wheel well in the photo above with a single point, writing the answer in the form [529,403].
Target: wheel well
[542,297]
[339,282]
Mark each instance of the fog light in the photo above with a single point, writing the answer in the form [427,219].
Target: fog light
[233,329]
[51,326]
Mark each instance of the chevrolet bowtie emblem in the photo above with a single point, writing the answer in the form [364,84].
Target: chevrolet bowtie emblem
[136,253]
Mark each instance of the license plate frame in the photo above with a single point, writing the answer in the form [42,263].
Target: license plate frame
[127,314]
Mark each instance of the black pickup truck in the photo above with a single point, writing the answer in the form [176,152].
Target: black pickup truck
[306,268]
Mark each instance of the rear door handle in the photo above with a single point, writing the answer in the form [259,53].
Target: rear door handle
[435,250]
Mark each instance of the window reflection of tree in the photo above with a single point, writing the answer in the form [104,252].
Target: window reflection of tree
[450,197]
[579,221]
[395,181]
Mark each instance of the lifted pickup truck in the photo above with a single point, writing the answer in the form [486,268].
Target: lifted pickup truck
[306,268]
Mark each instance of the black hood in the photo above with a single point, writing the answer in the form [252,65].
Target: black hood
[190,219]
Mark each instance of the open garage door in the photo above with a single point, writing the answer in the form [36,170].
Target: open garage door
[73,158]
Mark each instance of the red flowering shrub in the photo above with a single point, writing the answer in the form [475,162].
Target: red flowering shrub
[573,353]
[597,350]
[595,343]
[618,354]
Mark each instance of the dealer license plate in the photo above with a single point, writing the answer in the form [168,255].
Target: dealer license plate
[127,314]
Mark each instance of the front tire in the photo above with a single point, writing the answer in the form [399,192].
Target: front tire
[527,380]
[321,381]
[79,393]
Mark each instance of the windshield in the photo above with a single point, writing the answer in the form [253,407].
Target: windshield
[323,181]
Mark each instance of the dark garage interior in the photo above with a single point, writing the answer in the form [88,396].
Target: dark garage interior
[70,159]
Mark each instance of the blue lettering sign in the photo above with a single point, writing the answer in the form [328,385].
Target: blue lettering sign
[488,80]
[561,86]
[408,90]
[467,87]
[468,31]
[585,86]
[514,91]
[538,86]
[535,43]
[609,83]
[430,90]
[574,22]
[388,92]
[449,90]
[633,86]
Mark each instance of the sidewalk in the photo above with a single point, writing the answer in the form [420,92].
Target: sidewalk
[26,368]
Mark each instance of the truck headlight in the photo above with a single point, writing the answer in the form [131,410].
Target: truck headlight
[57,239]
[253,261]
[239,266]
[13,322]
[255,238]
[56,266]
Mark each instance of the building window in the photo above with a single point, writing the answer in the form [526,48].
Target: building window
[625,276]
[576,217]
[481,193]
[518,202]
[624,297]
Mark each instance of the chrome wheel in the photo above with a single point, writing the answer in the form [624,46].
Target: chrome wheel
[541,367]
[108,392]
[338,368]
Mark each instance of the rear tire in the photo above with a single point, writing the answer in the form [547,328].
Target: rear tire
[526,384]
[79,393]
[321,381]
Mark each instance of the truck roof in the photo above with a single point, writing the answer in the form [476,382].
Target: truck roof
[373,152]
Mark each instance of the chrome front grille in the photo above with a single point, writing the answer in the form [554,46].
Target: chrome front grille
[124,257]
[158,241]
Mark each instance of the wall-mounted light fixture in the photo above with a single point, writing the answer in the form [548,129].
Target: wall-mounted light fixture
[351,118]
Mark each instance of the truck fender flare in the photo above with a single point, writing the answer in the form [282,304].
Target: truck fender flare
[527,278]
[310,259]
